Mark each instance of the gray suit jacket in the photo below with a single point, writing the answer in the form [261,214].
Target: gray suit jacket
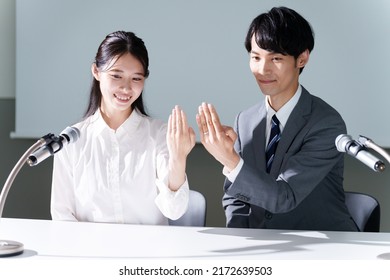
[304,189]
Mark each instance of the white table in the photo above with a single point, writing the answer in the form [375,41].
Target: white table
[52,239]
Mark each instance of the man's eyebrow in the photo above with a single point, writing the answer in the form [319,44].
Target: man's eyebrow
[269,53]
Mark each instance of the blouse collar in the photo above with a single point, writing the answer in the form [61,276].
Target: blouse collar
[129,126]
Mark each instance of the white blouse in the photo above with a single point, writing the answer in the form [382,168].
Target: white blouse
[116,176]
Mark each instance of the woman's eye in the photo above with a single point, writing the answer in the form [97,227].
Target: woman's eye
[115,76]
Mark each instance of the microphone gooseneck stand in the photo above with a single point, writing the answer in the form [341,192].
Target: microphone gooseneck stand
[367,142]
[9,247]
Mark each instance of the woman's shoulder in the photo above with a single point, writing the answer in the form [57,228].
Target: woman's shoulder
[83,124]
[152,122]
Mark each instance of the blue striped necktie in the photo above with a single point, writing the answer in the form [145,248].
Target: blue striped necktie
[272,143]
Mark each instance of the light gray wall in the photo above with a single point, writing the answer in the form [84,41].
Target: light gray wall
[29,196]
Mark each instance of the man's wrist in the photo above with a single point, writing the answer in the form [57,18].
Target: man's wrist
[232,174]
[232,164]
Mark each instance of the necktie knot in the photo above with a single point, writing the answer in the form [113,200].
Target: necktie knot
[275,121]
[272,143]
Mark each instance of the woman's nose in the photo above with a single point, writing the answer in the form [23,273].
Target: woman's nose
[126,87]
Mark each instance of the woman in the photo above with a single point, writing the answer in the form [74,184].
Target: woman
[126,167]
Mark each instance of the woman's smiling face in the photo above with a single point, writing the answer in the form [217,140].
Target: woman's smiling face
[121,83]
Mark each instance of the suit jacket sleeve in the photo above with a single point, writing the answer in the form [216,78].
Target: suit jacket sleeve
[236,210]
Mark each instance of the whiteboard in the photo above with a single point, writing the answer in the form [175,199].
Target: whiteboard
[197,54]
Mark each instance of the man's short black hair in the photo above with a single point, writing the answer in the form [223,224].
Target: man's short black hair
[281,30]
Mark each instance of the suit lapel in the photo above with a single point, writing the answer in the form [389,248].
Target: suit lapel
[295,123]
[258,137]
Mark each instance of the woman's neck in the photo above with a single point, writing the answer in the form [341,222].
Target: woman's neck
[115,119]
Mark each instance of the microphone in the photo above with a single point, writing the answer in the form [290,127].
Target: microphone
[53,144]
[345,143]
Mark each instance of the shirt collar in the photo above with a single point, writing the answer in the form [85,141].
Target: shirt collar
[283,113]
[129,126]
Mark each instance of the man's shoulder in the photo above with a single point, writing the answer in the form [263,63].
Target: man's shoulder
[321,113]
[318,104]
[256,108]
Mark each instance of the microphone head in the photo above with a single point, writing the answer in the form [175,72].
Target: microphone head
[342,141]
[71,134]
[68,135]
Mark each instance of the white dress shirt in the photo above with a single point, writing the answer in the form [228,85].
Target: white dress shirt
[282,114]
[116,176]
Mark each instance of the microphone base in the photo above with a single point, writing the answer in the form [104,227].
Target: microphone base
[10,248]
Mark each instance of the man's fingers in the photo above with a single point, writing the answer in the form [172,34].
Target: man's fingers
[203,129]
[229,131]
[218,127]
[209,121]
[202,132]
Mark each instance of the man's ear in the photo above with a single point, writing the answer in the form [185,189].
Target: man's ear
[303,59]
[95,71]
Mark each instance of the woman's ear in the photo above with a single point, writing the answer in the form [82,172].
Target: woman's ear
[303,59]
[95,71]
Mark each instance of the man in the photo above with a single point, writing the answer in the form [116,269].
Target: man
[296,180]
